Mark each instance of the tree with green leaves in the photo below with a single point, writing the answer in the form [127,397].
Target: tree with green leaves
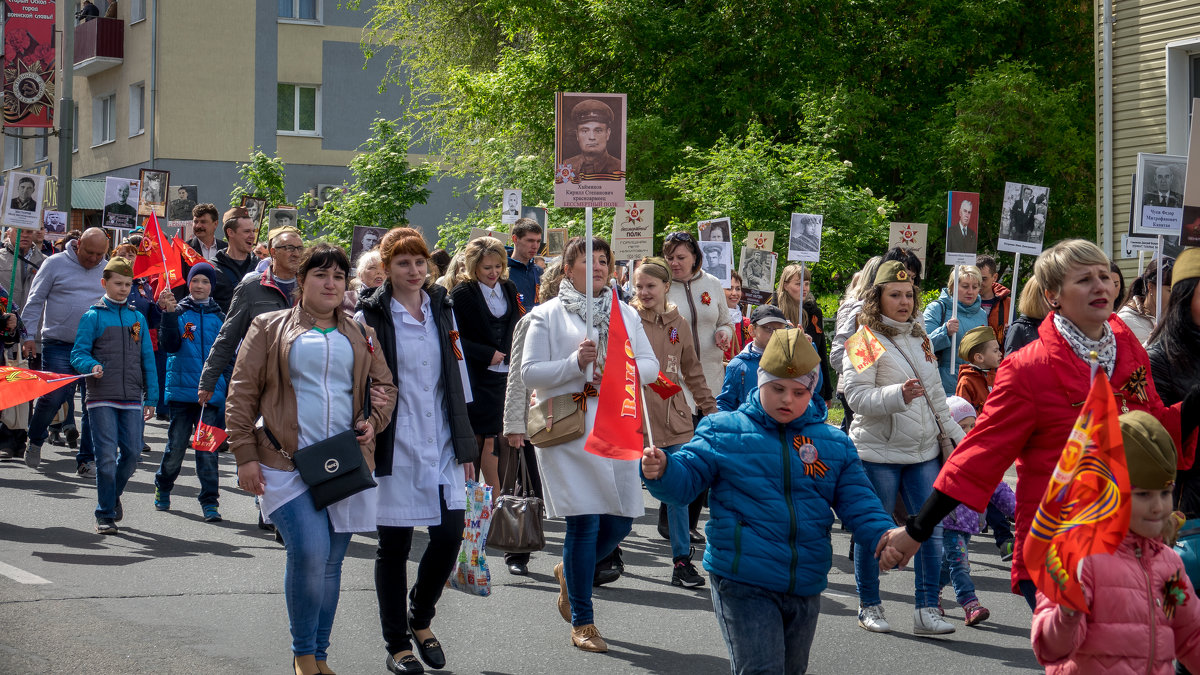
[263,177]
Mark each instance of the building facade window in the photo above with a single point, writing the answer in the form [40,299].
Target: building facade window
[303,10]
[12,152]
[41,147]
[1183,83]
[137,108]
[104,119]
[299,110]
[137,10]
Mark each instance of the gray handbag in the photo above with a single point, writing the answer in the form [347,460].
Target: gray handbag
[517,516]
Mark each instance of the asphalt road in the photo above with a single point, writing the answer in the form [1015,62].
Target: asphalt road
[173,594]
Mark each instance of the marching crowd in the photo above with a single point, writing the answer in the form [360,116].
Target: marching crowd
[428,371]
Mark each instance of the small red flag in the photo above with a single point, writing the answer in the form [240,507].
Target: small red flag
[208,438]
[186,253]
[617,433]
[1085,510]
[18,385]
[149,259]
[664,387]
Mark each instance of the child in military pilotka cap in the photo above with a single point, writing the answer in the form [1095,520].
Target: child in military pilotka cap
[1147,615]
[981,355]
[113,345]
[777,474]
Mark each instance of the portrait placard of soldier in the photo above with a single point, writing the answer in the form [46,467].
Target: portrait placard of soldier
[328,192]
[962,228]
[556,241]
[804,244]
[23,193]
[183,199]
[56,225]
[1023,218]
[1159,194]
[285,216]
[589,150]
[537,213]
[365,239]
[120,202]
[153,198]
[510,207]
[758,274]
[718,260]
[255,206]
[717,229]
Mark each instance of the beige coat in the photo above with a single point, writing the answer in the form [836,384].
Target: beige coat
[671,419]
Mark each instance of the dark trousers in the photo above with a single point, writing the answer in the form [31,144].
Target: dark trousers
[999,524]
[184,417]
[391,576]
[510,476]
[848,414]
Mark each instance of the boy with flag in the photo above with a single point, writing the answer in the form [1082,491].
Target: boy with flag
[777,474]
[188,332]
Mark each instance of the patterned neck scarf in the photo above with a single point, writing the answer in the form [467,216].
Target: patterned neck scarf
[1082,345]
[574,302]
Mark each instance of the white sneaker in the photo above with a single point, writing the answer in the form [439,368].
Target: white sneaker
[871,618]
[87,470]
[927,622]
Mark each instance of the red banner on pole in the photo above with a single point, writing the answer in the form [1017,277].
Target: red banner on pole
[617,433]
[29,87]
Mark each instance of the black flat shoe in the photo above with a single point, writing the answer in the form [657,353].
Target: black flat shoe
[696,537]
[519,569]
[431,652]
[407,665]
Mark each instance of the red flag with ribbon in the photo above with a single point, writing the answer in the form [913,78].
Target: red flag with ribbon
[18,385]
[208,438]
[185,252]
[617,433]
[664,387]
[1085,510]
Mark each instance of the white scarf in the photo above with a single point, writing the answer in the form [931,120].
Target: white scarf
[574,302]
[1082,345]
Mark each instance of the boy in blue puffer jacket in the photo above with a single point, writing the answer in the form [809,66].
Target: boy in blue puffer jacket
[741,375]
[187,334]
[776,472]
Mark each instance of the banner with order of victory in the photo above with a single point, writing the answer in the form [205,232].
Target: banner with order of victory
[29,89]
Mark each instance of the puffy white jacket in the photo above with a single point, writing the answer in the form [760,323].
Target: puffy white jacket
[886,429]
[710,319]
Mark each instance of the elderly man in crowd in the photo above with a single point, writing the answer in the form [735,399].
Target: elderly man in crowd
[65,286]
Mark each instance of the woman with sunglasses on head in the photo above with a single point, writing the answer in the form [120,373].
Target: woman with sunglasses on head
[698,296]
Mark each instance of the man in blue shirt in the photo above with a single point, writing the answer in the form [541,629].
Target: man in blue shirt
[526,241]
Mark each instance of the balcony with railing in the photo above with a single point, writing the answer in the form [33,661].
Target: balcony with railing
[99,45]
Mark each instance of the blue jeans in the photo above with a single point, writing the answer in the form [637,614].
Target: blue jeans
[677,520]
[914,482]
[956,566]
[313,576]
[588,539]
[117,438]
[56,358]
[766,632]
[179,435]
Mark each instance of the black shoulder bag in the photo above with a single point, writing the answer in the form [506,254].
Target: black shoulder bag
[334,468]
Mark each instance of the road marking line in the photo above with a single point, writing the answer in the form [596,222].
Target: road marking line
[20,576]
[837,595]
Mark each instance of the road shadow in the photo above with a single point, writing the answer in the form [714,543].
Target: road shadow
[666,662]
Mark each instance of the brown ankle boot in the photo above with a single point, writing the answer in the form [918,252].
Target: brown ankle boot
[323,668]
[305,665]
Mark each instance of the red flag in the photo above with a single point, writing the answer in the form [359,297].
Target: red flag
[208,438]
[1086,507]
[149,259]
[617,433]
[174,267]
[664,387]
[18,385]
[186,253]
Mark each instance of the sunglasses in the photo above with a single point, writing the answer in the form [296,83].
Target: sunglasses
[679,236]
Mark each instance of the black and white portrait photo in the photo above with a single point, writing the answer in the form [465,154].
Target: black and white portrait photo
[718,260]
[714,230]
[153,198]
[589,150]
[556,241]
[536,213]
[282,217]
[1159,190]
[1023,218]
[23,193]
[804,244]
[758,269]
[183,199]
[365,239]
[255,206]
[510,208]
[120,202]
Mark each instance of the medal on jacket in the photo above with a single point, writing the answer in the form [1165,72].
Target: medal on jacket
[1136,385]
[1174,595]
[706,298]
[521,303]
[813,466]
[136,331]
[673,335]
[189,333]
[370,345]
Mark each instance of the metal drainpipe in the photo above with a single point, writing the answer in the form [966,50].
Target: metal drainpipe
[153,78]
[1106,158]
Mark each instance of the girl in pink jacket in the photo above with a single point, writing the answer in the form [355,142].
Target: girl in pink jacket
[1147,614]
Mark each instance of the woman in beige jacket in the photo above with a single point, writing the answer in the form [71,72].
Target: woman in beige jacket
[306,371]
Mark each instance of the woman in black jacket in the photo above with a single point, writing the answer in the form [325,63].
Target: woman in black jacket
[1033,309]
[424,457]
[1175,360]
[487,309]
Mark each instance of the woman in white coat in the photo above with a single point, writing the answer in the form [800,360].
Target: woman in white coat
[895,429]
[599,497]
